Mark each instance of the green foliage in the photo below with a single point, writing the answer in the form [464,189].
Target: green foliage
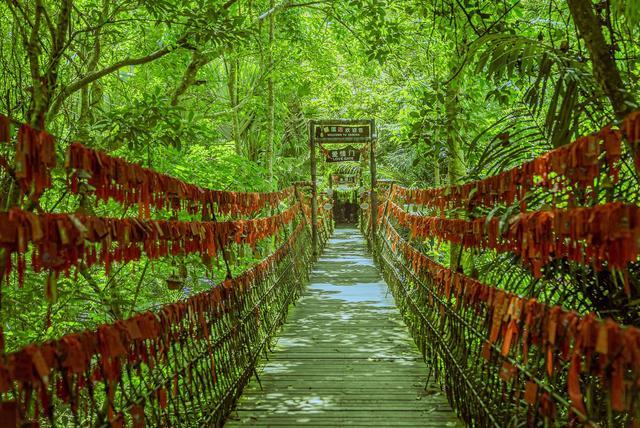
[629,10]
[181,86]
[148,121]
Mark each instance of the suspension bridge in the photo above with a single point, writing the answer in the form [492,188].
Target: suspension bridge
[344,357]
[338,326]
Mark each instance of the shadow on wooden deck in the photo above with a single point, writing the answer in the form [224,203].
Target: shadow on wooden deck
[345,356]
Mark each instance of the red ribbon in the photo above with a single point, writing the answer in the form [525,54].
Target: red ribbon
[604,233]
[129,183]
[577,163]
[132,342]
[61,241]
[594,347]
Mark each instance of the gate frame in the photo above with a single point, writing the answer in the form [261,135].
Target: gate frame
[313,142]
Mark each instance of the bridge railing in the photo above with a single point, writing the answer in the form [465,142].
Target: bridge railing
[113,178]
[184,363]
[506,354]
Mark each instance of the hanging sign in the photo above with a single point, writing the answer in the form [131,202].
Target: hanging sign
[341,131]
[347,154]
[343,179]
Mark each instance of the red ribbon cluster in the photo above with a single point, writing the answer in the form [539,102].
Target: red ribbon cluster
[631,128]
[35,157]
[126,182]
[61,241]
[77,361]
[513,324]
[5,129]
[576,164]
[604,233]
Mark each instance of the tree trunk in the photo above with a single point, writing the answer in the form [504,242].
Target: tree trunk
[45,85]
[436,170]
[38,97]
[89,93]
[198,60]
[603,63]
[457,169]
[270,95]
[232,87]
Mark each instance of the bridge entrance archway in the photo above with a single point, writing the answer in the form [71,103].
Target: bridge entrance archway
[340,141]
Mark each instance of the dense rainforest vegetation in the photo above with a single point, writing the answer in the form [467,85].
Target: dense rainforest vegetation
[219,93]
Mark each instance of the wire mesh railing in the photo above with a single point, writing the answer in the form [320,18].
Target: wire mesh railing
[527,350]
[186,363]
[182,363]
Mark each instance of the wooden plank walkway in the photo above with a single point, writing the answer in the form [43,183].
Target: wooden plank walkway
[344,357]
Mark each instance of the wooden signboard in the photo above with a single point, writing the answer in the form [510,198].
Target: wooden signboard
[347,154]
[344,179]
[342,131]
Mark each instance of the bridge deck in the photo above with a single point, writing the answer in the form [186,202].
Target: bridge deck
[345,356]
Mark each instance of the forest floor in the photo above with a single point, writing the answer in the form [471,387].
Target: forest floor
[345,356]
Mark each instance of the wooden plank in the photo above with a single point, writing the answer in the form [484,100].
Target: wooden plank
[344,358]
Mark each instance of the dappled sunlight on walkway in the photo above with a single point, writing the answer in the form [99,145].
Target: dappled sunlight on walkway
[345,356]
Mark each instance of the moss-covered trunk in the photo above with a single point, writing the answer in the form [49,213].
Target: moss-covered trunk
[455,154]
[232,86]
[604,65]
[270,94]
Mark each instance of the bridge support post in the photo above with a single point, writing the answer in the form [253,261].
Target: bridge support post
[314,190]
[373,203]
